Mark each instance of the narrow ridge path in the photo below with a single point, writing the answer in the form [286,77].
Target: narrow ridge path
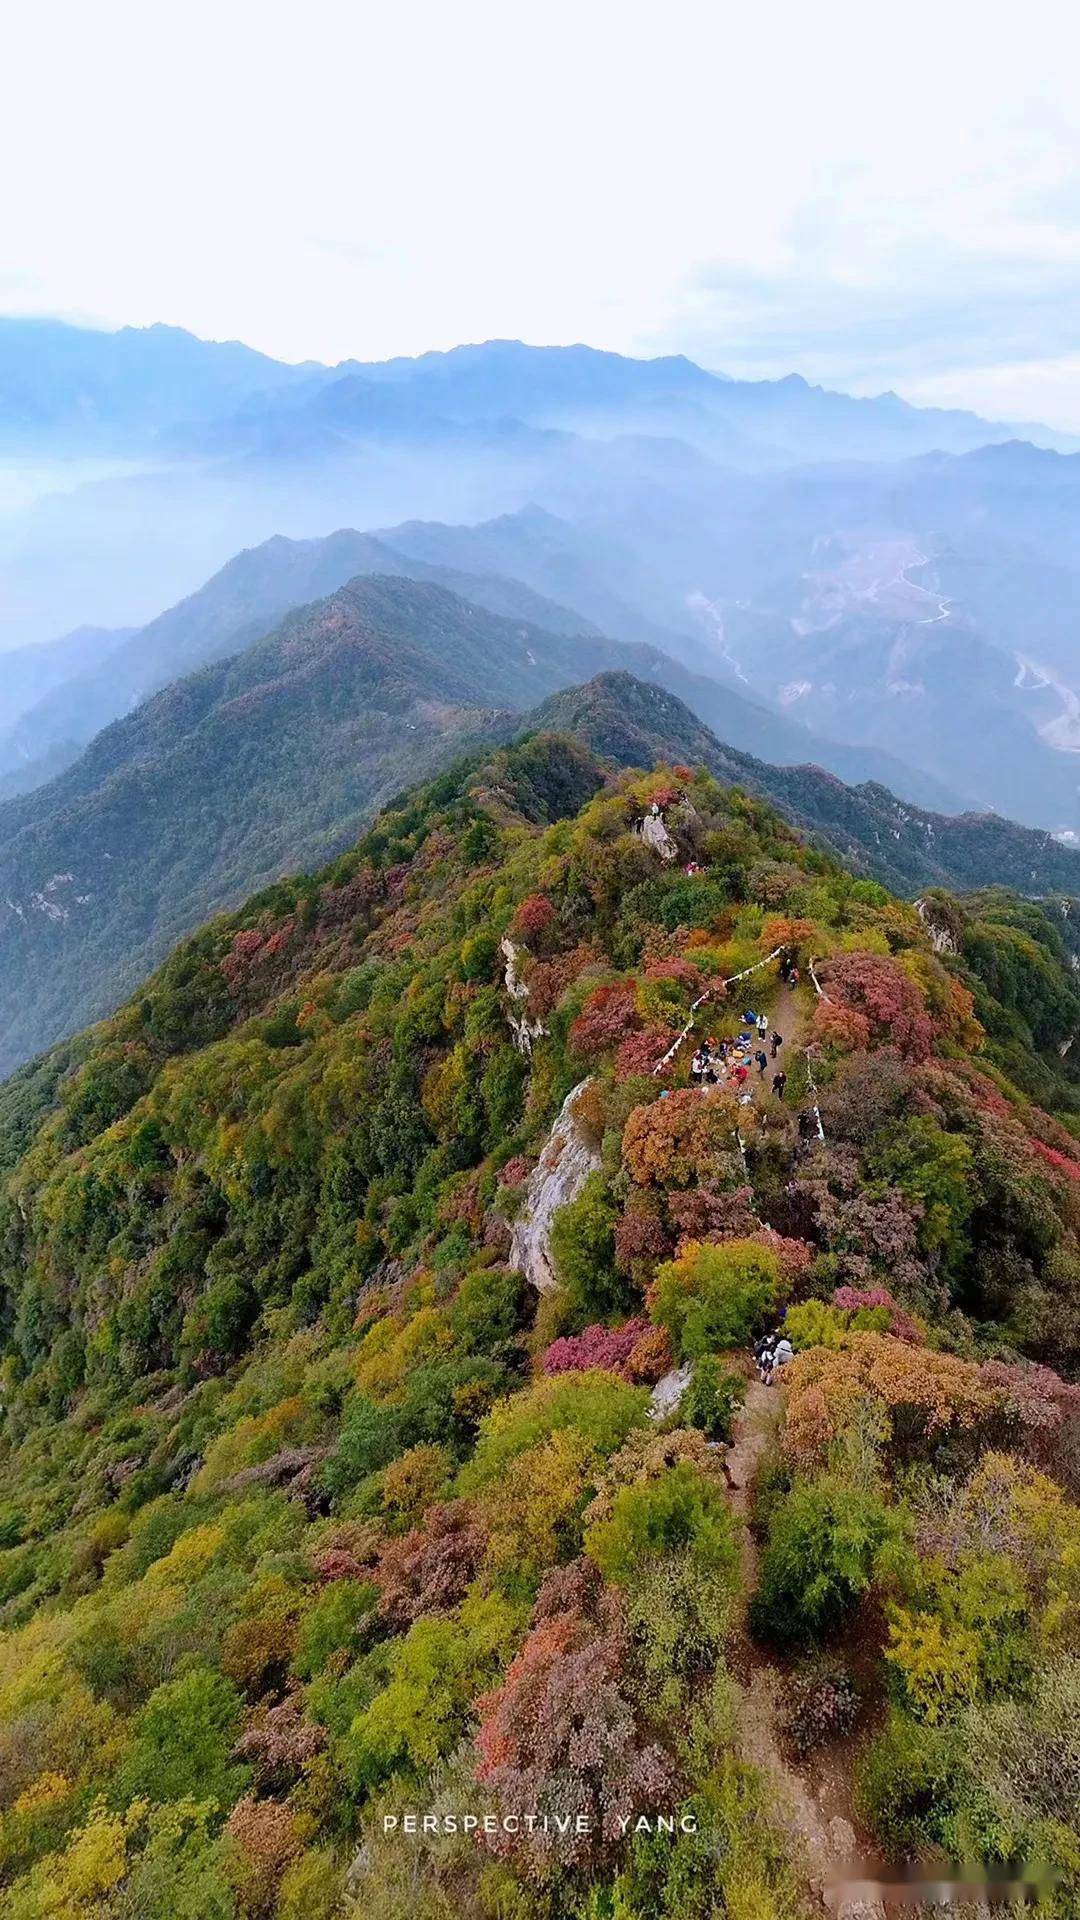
[831,1845]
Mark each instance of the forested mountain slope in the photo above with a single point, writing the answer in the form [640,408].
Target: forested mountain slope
[269,760]
[275,759]
[316,1514]
[904,846]
[237,606]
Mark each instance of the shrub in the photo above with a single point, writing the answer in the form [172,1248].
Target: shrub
[583,1248]
[816,1706]
[183,1741]
[904,1785]
[330,1624]
[822,1549]
[435,1672]
[412,1482]
[938,1665]
[679,1512]
[601,1409]
[917,1396]
[813,1324]
[893,1010]
[714,1296]
[683,1139]
[606,1347]
[562,1733]
[429,1570]
[711,1399]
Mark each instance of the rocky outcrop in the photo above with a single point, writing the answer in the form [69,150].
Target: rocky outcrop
[668,1392]
[655,835]
[557,1178]
[524,1030]
[941,937]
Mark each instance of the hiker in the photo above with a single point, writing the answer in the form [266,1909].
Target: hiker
[761,1060]
[782,1353]
[777,1042]
[740,1074]
[762,1025]
[793,977]
[807,1128]
[749,1018]
[697,1068]
[779,1082]
[763,1353]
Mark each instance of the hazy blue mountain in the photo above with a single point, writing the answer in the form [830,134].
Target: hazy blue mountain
[886,581]
[75,384]
[763,420]
[28,673]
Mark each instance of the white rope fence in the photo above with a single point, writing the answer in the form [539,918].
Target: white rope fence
[733,979]
[818,988]
[815,1109]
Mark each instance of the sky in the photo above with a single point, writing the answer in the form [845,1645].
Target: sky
[876,197]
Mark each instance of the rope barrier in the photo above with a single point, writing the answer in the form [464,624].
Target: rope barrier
[815,1109]
[732,980]
[818,988]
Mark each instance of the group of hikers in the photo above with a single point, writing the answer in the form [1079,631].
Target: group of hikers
[732,1060]
[772,1351]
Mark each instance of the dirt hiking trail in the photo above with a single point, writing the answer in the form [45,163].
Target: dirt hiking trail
[833,1846]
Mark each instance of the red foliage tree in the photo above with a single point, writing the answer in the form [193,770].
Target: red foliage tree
[597,1346]
[533,918]
[875,986]
[278,1741]
[608,1016]
[641,1237]
[429,1569]
[639,1052]
[698,1215]
[682,1140]
[1060,1162]
[563,1735]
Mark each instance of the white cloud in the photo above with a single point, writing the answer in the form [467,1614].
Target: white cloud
[877,196]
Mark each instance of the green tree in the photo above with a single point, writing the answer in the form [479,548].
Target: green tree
[713,1297]
[583,1245]
[824,1542]
[183,1739]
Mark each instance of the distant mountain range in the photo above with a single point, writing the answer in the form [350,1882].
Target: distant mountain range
[131,385]
[275,757]
[892,592]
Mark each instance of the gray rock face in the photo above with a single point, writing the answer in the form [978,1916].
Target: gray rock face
[655,835]
[557,1178]
[524,1030]
[668,1392]
[940,938]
